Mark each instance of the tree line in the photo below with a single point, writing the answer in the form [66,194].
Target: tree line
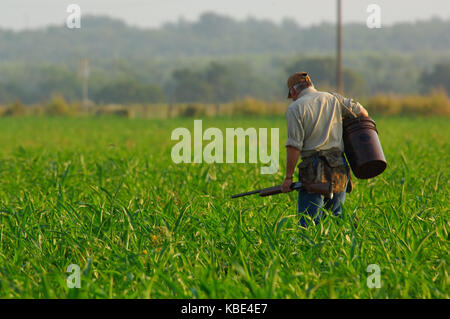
[218,59]
[212,82]
[214,35]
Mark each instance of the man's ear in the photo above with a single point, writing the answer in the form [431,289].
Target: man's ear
[293,92]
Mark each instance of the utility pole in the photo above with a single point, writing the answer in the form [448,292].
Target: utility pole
[339,48]
[85,77]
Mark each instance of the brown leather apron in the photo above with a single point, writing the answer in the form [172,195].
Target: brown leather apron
[327,166]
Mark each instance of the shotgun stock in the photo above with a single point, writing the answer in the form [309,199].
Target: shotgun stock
[319,188]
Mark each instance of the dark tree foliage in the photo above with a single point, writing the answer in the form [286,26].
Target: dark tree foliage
[439,77]
[129,91]
[252,58]
[217,82]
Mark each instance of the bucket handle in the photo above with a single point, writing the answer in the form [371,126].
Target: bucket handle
[342,104]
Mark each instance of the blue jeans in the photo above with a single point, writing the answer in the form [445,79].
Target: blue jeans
[312,204]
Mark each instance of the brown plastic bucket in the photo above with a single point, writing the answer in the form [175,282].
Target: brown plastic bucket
[363,148]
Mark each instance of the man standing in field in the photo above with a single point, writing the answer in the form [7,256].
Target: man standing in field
[314,124]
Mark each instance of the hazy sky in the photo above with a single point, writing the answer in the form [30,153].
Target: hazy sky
[20,14]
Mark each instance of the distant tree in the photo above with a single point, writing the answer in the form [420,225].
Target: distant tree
[218,82]
[15,109]
[354,83]
[56,80]
[439,77]
[227,80]
[191,86]
[128,91]
[8,93]
[57,106]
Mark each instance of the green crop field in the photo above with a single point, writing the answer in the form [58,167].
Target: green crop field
[104,194]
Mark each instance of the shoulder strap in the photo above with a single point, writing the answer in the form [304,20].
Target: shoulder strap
[339,98]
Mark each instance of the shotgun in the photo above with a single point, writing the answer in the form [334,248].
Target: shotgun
[319,188]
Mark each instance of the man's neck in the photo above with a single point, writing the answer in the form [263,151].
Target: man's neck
[305,91]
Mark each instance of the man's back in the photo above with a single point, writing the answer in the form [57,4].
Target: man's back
[314,121]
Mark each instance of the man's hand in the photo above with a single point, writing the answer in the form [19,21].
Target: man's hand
[364,113]
[286,186]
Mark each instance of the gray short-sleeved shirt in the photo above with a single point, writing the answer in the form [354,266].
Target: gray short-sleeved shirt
[314,121]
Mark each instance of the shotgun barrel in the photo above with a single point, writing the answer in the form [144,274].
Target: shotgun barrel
[319,188]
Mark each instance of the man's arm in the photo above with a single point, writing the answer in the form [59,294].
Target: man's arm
[292,157]
[363,112]
[293,145]
[355,107]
